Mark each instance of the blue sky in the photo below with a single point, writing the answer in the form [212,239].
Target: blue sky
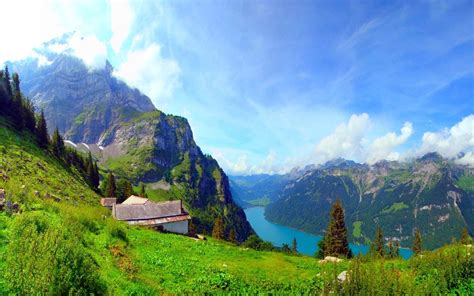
[269,85]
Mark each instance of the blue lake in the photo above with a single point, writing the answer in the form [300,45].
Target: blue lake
[307,243]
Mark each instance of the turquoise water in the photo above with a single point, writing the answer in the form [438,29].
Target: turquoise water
[279,235]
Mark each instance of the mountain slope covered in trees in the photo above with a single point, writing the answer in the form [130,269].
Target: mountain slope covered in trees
[431,194]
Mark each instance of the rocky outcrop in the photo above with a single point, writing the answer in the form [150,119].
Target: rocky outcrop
[80,102]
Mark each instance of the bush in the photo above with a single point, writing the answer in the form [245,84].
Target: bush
[46,256]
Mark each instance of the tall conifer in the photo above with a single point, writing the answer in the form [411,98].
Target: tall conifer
[42,131]
[336,243]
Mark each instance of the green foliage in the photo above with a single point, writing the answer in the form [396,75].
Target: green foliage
[465,237]
[336,243]
[124,190]
[218,229]
[417,242]
[57,144]
[395,207]
[294,247]
[42,131]
[466,182]
[111,186]
[48,258]
[257,243]
[357,229]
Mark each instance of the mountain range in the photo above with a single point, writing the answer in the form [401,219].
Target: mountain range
[129,136]
[429,193]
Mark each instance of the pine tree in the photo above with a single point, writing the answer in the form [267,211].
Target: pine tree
[379,243]
[321,249]
[143,190]
[17,112]
[42,131]
[465,238]
[417,242]
[6,74]
[294,247]
[29,120]
[110,190]
[96,176]
[286,248]
[232,236]
[57,144]
[124,190]
[218,229]
[336,243]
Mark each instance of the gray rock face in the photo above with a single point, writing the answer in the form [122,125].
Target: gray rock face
[81,103]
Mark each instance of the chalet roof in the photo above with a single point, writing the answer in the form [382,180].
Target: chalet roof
[135,200]
[148,210]
[108,201]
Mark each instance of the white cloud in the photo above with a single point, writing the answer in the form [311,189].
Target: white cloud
[346,141]
[450,142]
[467,159]
[242,165]
[147,70]
[350,141]
[88,48]
[382,148]
[28,23]
[121,21]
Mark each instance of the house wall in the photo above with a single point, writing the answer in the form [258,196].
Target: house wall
[177,227]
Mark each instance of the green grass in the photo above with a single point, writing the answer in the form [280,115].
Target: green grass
[466,182]
[357,229]
[398,206]
[138,261]
[260,202]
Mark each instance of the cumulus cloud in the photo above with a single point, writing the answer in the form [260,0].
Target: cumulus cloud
[467,159]
[350,140]
[147,70]
[346,141]
[383,147]
[122,17]
[450,142]
[243,166]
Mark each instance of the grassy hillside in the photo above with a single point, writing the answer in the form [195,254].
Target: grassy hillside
[72,245]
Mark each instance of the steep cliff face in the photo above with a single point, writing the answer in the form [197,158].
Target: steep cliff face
[430,193]
[160,150]
[80,102]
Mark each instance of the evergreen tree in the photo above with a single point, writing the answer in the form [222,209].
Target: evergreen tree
[336,243]
[218,229]
[379,243]
[124,190]
[17,113]
[6,75]
[321,249]
[465,238]
[143,190]
[294,247]
[57,144]
[42,131]
[110,190]
[191,229]
[417,242]
[286,248]
[95,176]
[232,236]
[29,110]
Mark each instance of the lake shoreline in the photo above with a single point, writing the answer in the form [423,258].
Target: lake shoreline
[278,234]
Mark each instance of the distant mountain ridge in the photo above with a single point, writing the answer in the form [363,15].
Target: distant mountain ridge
[430,193]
